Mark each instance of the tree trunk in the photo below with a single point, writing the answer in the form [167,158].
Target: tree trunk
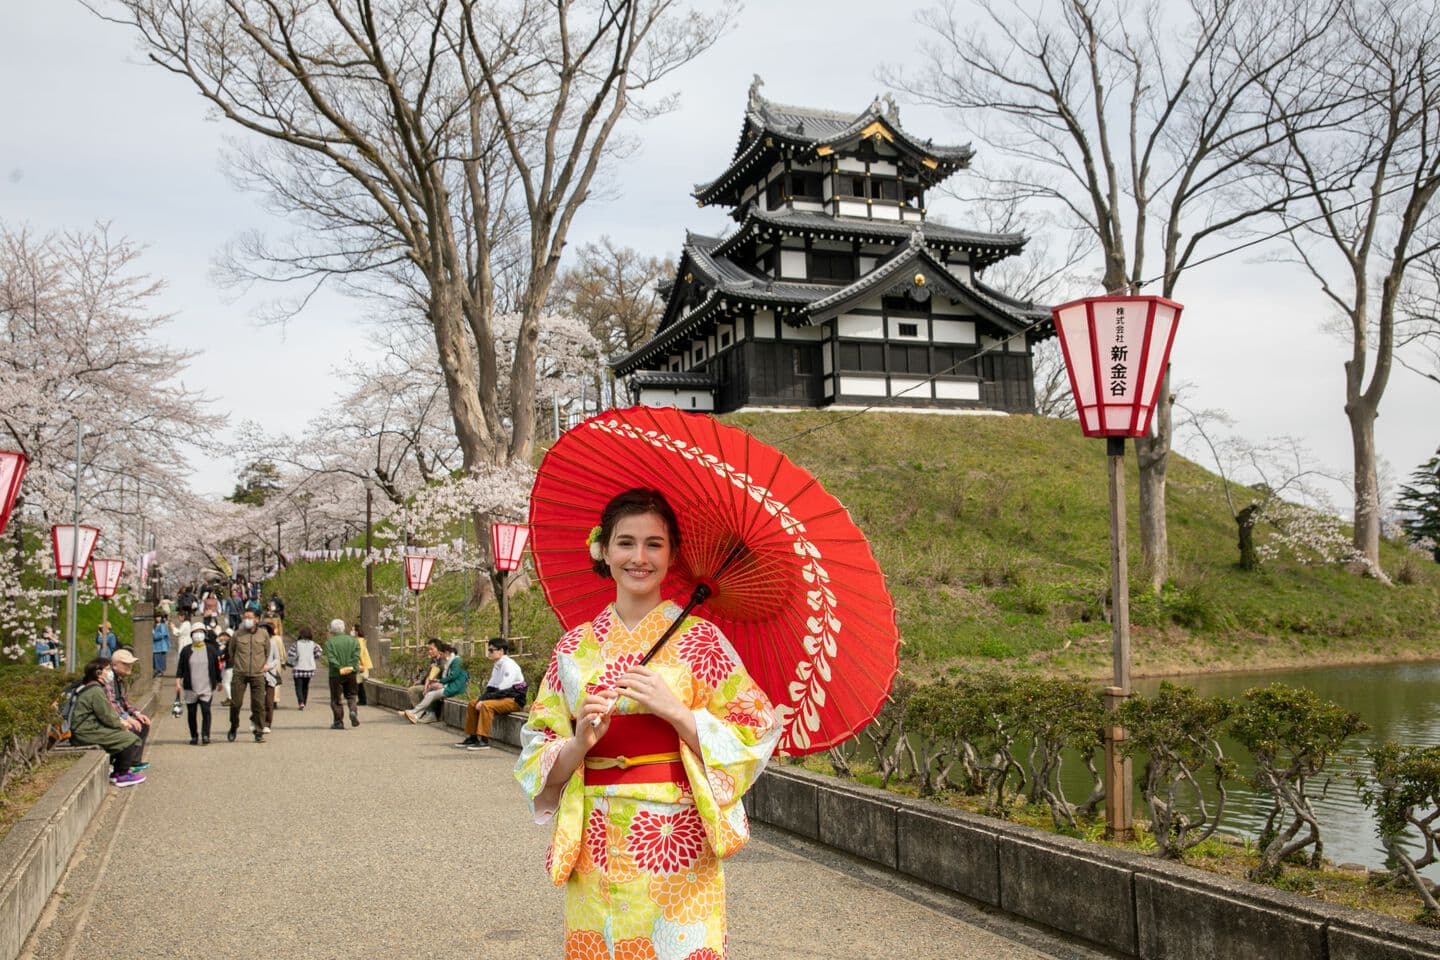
[1153,456]
[1246,520]
[462,382]
[1367,487]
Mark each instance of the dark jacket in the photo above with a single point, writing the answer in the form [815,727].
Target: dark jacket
[212,652]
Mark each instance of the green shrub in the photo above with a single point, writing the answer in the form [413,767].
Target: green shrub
[27,711]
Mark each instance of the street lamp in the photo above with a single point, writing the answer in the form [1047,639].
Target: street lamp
[71,545]
[12,471]
[507,546]
[1117,350]
[418,568]
[107,580]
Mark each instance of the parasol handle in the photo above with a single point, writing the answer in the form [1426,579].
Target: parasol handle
[700,595]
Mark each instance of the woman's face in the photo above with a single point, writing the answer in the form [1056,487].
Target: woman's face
[639,555]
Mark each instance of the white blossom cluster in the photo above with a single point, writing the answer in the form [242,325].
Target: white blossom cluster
[1308,535]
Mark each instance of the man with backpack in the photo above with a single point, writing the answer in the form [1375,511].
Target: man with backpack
[504,693]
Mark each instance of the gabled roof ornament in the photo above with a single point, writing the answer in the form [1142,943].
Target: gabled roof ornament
[756,101]
[892,109]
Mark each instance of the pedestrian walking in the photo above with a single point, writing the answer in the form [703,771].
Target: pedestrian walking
[248,654]
[366,664]
[342,657]
[160,645]
[304,666]
[273,666]
[196,679]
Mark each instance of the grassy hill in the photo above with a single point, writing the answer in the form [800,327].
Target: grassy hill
[993,534]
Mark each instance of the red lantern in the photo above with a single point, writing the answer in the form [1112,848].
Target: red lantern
[1116,350]
[69,561]
[12,471]
[417,571]
[107,576]
[507,541]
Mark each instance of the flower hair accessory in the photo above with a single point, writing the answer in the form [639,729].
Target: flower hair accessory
[594,543]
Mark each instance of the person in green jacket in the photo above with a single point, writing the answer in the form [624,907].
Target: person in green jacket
[342,656]
[93,722]
[451,682]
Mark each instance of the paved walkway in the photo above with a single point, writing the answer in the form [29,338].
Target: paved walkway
[383,841]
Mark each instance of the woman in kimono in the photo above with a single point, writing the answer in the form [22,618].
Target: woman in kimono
[642,768]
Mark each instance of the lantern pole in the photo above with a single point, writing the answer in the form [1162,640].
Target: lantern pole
[465,522]
[74,553]
[1120,792]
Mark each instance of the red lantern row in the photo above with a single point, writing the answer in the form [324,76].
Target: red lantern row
[12,471]
[72,546]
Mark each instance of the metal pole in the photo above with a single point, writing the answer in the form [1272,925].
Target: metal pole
[369,567]
[277,544]
[74,550]
[555,408]
[464,523]
[417,619]
[1119,783]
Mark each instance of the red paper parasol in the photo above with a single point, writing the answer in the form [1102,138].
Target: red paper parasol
[792,581]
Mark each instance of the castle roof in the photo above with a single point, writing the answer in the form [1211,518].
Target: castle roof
[771,129]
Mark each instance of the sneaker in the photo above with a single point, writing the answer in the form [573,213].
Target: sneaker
[482,744]
[194,741]
[266,730]
[204,741]
[259,738]
[136,768]
[231,735]
[300,706]
[410,716]
[354,719]
[337,725]
[429,717]
[127,779]
[467,742]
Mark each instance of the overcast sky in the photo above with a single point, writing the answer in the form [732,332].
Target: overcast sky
[91,133]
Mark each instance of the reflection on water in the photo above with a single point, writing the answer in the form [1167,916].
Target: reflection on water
[1398,701]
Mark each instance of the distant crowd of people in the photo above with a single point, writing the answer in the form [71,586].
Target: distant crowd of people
[215,660]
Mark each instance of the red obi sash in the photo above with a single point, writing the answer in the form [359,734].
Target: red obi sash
[637,748]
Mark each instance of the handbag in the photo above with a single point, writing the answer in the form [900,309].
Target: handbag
[177,707]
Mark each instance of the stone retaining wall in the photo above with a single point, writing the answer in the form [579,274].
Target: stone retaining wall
[1135,905]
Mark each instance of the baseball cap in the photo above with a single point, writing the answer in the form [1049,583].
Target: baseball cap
[122,656]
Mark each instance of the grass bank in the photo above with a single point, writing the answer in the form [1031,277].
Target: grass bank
[992,532]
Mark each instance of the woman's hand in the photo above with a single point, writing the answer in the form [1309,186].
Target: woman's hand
[649,689]
[596,705]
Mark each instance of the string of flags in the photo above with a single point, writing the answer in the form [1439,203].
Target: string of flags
[379,554]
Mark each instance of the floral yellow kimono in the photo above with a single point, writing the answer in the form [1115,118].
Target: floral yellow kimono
[640,862]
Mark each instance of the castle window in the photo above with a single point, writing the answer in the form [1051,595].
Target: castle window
[954,361]
[805,186]
[914,197]
[699,354]
[724,340]
[853,187]
[774,194]
[862,357]
[905,359]
[909,330]
[831,265]
[884,188]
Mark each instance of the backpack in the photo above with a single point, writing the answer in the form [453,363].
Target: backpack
[65,706]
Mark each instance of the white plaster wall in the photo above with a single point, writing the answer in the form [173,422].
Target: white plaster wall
[852,208]
[792,263]
[863,386]
[957,390]
[765,325]
[954,331]
[867,264]
[683,399]
[851,165]
[813,205]
[855,325]
[827,354]
[885,211]
[917,387]
[802,333]
[884,167]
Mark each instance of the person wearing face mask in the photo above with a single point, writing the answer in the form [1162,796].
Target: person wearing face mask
[94,722]
[248,654]
[196,680]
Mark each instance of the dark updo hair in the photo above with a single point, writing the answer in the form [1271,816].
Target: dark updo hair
[94,668]
[635,503]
